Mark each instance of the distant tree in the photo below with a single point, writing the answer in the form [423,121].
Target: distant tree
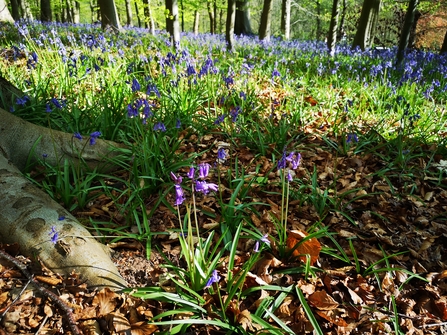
[229,28]
[14,10]
[149,19]
[285,18]
[406,30]
[172,23]
[333,27]
[211,14]
[45,11]
[129,15]
[26,10]
[242,24]
[264,28]
[5,15]
[367,23]
[341,24]
[109,15]
[196,21]
[137,13]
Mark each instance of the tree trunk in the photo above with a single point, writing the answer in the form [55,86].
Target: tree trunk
[333,28]
[14,10]
[109,15]
[45,11]
[182,12]
[5,15]
[172,23]
[29,216]
[137,13]
[26,10]
[211,16]
[77,12]
[264,28]
[229,29]
[367,23]
[242,24]
[444,44]
[69,11]
[341,29]
[285,18]
[196,21]
[406,31]
[149,19]
[318,18]
[129,13]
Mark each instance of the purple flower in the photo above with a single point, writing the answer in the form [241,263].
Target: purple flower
[276,73]
[283,161]
[295,159]
[55,235]
[213,279]
[48,108]
[221,154]
[94,136]
[78,136]
[263,239]
[135,85]
[22,101]
[179,195]
[204,170]
[177,180]
[205,188]
[234,113]
[56,103]
[289,175]
[352,137]
[220,119]
[160,126]
[191,173]
[178,124]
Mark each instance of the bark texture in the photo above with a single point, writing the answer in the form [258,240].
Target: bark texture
[368,20]
[264,28]
[333,28]
[5,15]
[229,29]
[406,31]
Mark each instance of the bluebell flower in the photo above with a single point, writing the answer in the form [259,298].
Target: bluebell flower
[294,159]
[56,103]
[214,278]
[54,235]
[205,188]
[191,172]
[94,136]
[275,73]
[179,195]
[282,161]
[204,169]
[221,154]
[48,108]
[78,136]
[220,119]
[135,85]
[352,137]
[178,124]
[234,113]
[177,180]
[289,176]
[263,239]
[159,126]
[22,101]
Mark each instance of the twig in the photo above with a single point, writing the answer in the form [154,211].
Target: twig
[68,312]
[15,300]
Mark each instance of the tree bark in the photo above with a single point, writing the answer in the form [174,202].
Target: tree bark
[285,18]
[229,29]
[406,31]
[211,16]
[149,19]
[129,13]
[172,23]
[341,28]
[444,44]
[333,28]
[137,13]
[29,215]
[242,24]
[26,10]
[264,28]
[5,15]
[45,11]
[109,15]
[196,22]
[368,20]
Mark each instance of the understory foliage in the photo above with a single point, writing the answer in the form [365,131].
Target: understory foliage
[283,190]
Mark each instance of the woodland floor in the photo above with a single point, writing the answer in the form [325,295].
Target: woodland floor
[388,220]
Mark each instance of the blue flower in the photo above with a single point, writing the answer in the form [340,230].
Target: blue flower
[220,119]
[263,239]
[177,180]
[221,154]
[178,124]
[160,126]
[352,137]
[213,279]
[205,188]
[78,136]
[56,103]
[55,235]
[191,173]
[135,85]
[283,161]
[94,136]
[204,169]
[22,101]
[179,195]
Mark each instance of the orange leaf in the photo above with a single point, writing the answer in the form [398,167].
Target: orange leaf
[309,99]
[322,301]
[333,317]
[309,247]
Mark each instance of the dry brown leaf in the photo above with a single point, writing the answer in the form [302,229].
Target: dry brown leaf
[118,322]
[309,247]
[143,328]
[105,302]
[322,301]
[334,317]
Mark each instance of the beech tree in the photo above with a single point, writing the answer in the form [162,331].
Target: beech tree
[333,27]
[172,22]
[229,28]
[406,30]
[5,15]
[109,15]
[368,20]
[444,44]
[285,18]
[264,28]
[242,25]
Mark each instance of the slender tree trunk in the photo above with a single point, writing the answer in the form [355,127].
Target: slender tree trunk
[5,15]
[332,35]
[149,19]
[264,28]
[367,23]
[444,44]
[285,18]
[211,16]
[68,11]
[77,12]
[169,20]
[137,13]
[406,31]
[196,21]
[318,18]
[215,15]
[14,10]
[229,29]
[45,11]
[109,15]
[242,24]
[182,15]
[172,23]
[25,9]
[129,13]
[341,29]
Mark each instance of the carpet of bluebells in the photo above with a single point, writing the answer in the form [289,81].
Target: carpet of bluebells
[275,189]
